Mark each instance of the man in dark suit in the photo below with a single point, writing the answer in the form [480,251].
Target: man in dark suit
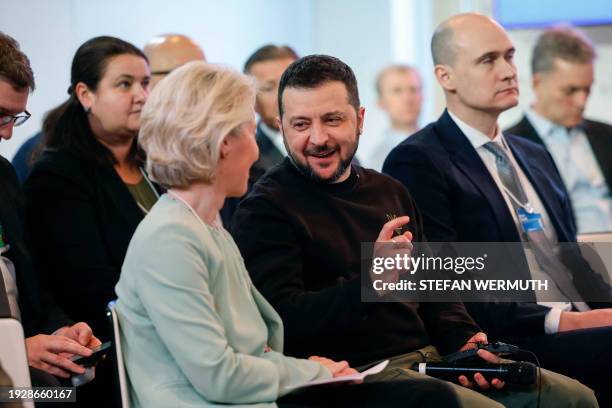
[266,65]
[19,286]
[562,69]
[456,171]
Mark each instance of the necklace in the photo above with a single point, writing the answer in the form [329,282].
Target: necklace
[217,225]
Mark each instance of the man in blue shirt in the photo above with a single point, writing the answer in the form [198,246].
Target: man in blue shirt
[562,67]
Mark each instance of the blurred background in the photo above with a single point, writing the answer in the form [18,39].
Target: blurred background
[366,34]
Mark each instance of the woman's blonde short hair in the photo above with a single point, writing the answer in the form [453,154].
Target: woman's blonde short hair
[186,118]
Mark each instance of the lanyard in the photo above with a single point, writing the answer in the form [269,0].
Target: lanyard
[526,205]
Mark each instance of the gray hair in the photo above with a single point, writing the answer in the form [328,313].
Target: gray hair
[565,43]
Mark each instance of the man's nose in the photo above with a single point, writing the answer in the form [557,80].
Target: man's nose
[580,99]
[6,131]
[318,134]
[508,70]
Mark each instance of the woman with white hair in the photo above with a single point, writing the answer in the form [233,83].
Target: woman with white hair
[194,330]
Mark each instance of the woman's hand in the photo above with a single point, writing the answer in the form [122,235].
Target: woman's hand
[338,369]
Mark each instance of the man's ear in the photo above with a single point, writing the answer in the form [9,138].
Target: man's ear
[445,76]
[84,95]
[536,80]
[279,123]
[360,118]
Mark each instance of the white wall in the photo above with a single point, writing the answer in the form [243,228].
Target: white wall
[357,32]
[229,31]
[366,34]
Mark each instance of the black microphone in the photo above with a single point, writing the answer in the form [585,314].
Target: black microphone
[520,373]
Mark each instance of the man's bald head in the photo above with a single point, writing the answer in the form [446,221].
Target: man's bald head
[446,38]
[475,66]
[169,51]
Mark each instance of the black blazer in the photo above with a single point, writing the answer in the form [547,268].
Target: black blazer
[599,135]
[460,202]
[39,313]
[81,220]
[269,156]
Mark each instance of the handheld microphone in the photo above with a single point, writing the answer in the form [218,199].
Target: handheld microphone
[519,373]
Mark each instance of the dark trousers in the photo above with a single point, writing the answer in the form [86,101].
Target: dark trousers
[585,355]
[41,378]
[394,393]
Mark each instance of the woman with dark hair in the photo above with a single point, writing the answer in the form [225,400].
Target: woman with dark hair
[88,191]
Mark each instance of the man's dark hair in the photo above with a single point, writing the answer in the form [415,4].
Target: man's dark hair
[14,64]
[313,71]
[564,43]
[67,126]
[269,52]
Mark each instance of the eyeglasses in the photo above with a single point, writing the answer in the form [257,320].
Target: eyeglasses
[18,120]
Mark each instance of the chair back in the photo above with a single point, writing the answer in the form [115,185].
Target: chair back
[13,357]
[122,391]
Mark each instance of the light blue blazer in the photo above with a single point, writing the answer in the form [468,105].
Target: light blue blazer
[194,330]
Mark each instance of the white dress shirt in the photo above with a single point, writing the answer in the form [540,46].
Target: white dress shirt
[580,172]
[478,140]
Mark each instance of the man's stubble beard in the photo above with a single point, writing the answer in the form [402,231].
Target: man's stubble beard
[307,171]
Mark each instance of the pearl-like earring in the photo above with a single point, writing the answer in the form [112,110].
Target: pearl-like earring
[88,110]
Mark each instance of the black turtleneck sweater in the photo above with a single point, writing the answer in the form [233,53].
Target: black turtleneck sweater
[301,242]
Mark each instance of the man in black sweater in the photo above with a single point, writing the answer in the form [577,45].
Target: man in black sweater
[300,232]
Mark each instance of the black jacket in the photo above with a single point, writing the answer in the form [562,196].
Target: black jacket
[39,313]
[269,156]
[460,202]
[599,135]
[81,220]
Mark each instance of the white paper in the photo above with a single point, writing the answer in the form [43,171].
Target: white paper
[347,378]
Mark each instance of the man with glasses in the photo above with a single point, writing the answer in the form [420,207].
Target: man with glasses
[266,65]
[18,120]
[21,296]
